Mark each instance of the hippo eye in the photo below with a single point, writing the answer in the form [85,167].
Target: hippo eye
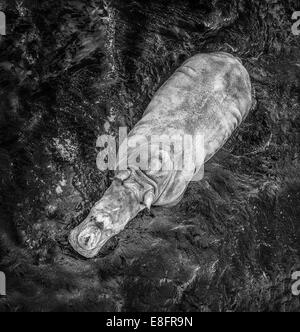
[93,219]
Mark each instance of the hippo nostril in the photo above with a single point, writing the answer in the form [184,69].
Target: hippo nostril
[89,238]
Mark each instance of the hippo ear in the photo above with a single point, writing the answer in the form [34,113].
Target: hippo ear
[123,175]
[148,199]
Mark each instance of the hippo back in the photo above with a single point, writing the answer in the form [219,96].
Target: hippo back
[209,95]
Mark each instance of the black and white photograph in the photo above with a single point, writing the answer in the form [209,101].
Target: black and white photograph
[149,158]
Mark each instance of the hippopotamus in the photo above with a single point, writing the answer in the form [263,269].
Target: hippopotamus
[209,95]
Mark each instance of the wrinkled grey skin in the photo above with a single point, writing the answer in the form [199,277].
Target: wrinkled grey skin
[209,95]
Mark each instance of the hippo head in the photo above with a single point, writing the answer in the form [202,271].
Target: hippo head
[122,202]
[90,236]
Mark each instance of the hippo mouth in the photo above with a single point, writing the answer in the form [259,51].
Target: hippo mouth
[88,238]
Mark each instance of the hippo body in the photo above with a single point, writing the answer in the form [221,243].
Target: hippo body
[209,95]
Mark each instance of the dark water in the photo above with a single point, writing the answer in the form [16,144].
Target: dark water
[73,70]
